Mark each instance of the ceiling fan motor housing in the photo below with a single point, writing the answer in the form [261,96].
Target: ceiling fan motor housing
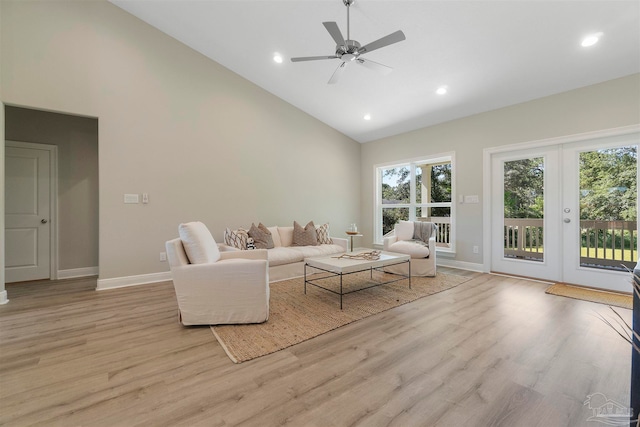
[348,52]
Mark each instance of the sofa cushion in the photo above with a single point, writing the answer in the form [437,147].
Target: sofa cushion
[404,230]
[198,243]
[284,255]
[319,250]
[304,236]
[275,235]
[236,238]
[322,233]
[261,236]
[286,235]
[413,249]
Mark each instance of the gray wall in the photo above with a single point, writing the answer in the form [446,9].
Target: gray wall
[204,143]
[608,105]
[77,141]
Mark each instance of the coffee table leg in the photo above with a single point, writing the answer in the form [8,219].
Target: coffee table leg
[340,291]
[409,274]
[305,278]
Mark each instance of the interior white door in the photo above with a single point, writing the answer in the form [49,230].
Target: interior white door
[599,240]
[525,227]
[27,214]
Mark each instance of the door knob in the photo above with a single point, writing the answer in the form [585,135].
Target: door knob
[44,221]
[567,220]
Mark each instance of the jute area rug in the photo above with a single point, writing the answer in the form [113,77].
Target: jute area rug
[593,295]
[295,317]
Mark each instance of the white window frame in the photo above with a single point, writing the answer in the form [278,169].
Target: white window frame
[412,163]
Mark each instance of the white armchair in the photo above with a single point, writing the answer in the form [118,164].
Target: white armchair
[423,257]
[214,287]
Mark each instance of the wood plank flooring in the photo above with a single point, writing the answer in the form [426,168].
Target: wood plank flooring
[494,351]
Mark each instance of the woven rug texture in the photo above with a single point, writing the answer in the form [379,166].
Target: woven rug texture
[592,295]
[295,317]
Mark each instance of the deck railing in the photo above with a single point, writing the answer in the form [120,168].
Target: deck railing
[443,235]
[604,244]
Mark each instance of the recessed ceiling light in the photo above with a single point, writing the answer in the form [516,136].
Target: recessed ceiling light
[591,39]
[441,90]
[367,117]
[277,58]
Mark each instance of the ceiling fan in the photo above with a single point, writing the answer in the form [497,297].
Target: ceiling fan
[348,51]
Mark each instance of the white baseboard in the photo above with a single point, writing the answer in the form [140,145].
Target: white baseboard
[77,272]
[3,297]
[141,279]
[462,265]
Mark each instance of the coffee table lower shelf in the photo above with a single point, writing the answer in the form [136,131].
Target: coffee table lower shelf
[338,271]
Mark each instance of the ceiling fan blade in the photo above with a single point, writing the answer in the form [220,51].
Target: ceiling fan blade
[312,58]
[337,73]
[396,37]
[335,32]
[376,66]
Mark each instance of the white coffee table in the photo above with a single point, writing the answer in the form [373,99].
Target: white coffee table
[338,267]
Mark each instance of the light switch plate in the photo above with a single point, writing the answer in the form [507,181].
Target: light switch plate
[131,198]
[471,199]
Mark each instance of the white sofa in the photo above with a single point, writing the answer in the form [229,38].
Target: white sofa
[287,261]
[214,287]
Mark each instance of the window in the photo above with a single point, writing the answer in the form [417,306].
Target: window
[419,190]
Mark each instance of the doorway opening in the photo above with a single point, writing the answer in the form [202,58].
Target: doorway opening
[75,229]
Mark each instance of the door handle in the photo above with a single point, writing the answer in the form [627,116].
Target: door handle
[44,221]
[567,220]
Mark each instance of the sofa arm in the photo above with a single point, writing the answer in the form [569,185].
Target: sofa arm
[238,254]
[343,242]
[389,240]
[432,247]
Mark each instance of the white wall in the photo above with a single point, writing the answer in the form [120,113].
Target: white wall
[204,143]
[611,104]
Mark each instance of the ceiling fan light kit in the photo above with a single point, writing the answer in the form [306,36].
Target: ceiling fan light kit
[349,51]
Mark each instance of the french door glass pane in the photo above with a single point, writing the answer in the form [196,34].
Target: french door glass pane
[524,209]
[608,208]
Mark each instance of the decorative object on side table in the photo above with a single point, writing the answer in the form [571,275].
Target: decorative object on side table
[352,232]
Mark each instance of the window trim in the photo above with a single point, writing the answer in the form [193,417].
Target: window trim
[412,163]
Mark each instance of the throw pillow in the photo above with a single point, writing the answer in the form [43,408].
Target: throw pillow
[404,230]
[304,236]
[198,243]
[275,235]
[322,233]
[261,236]
[236,238]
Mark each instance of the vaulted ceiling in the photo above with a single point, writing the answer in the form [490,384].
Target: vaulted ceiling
[488,54]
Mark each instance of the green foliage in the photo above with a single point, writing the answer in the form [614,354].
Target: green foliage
[608,184]
[524,188]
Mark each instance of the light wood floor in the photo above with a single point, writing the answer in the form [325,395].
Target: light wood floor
[494,351]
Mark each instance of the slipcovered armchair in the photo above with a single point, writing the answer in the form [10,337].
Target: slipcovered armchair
[214,287]
[416,239]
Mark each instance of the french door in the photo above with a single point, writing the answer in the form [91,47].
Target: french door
[567,212]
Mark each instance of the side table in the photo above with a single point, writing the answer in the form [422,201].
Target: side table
[352,236]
